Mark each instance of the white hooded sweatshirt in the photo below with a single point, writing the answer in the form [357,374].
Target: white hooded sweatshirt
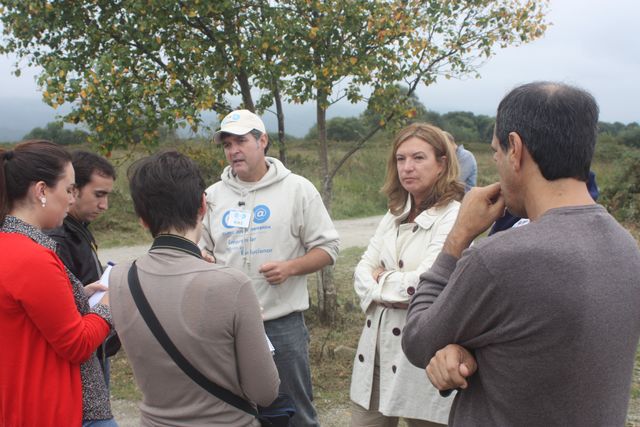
[278,218]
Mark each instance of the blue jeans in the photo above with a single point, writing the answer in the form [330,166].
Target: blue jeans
[100,423]
[290,338]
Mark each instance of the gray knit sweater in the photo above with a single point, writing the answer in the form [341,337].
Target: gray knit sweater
[550,311]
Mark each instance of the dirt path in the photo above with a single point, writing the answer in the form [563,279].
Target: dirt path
[353,232]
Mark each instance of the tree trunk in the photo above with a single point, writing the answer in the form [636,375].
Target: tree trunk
[330,297]
[245,90]
[282,150]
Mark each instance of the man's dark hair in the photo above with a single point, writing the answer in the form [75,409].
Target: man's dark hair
[167,190]
[86,164]
[556,122]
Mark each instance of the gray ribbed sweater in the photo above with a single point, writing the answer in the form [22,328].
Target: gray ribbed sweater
[550,311]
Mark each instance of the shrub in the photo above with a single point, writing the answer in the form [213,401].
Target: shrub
[622,195]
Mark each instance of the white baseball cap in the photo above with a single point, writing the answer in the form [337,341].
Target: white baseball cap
[239,122]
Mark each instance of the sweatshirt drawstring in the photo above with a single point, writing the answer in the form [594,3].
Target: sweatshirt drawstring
[246,233]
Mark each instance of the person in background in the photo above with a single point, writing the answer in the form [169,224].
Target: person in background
[537,325]
[48,333]
[209,311]
[423,191]
[467,163]
[76,245]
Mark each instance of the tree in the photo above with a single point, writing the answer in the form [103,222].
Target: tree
[136,65]
[380,44]
[414,109]
[54,132]
[340,129]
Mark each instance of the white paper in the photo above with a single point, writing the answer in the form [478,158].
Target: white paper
[272,349]
[104,279]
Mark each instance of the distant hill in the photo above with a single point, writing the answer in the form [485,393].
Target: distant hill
[18,116]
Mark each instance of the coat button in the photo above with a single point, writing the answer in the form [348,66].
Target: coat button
[400,263]
[368,323]
[396,331]
[415,228]
[411,290]
[361,358]
[394,369]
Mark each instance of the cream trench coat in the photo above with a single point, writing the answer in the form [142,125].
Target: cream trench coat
[405,390]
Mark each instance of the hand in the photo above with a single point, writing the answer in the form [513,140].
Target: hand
[105,299]
[93,288]
[377,273]
[276,272]
[480,208]
[208,257]
[450,367]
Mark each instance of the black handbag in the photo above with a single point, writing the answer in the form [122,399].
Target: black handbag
[277,414]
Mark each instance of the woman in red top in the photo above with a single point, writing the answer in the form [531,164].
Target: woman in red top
[43,337]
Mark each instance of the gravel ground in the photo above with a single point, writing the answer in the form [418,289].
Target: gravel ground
[126,414]
[353,232]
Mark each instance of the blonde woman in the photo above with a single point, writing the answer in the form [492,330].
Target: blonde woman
[423,197]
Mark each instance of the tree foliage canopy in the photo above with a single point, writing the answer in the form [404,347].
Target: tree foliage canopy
[138,64]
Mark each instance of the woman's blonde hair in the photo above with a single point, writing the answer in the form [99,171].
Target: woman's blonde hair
[445,189]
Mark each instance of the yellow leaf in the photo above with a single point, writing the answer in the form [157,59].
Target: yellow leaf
[111,120]
[99,128]
[83,94]
[265,45]
[353,60]
[62,73]
[313,32]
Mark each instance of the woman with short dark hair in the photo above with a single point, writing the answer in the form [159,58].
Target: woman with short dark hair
[45,336]
[210,312]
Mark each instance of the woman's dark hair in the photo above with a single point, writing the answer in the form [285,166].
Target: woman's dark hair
[557,123]
[167,190]
[445,189]
[29,162]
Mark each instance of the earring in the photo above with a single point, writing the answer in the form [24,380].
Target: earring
[43,200]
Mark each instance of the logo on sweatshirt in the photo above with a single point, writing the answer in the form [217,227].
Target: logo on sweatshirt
[261,213]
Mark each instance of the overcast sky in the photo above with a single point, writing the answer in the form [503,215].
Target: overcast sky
[594,44]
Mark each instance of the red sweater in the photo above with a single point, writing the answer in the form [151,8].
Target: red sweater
[43,337]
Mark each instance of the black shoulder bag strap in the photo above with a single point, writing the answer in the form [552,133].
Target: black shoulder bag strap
[156,328]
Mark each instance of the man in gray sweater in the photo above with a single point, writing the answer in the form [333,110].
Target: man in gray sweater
[537,325]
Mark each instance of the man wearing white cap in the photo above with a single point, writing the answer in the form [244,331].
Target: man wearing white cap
[271,224]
